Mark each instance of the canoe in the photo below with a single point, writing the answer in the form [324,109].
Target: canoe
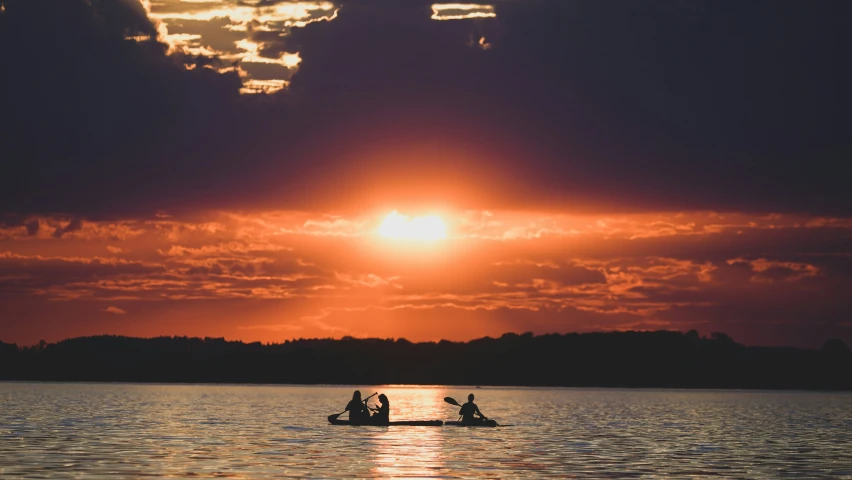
[486,423]
[408,423]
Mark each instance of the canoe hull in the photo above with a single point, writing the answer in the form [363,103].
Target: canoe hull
[406,423]
[486,423]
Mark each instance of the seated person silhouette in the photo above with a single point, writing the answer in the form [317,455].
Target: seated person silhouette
[469,409]
[358,412]
[382,415]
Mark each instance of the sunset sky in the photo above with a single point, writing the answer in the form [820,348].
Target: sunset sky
[268,170]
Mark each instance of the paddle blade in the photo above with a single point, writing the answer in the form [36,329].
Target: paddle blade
[452,401]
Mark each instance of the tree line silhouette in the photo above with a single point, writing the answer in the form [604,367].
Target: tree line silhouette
[617,359]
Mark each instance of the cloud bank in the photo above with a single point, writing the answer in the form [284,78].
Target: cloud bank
[764,279]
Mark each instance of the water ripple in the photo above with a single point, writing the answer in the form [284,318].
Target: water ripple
[109,431]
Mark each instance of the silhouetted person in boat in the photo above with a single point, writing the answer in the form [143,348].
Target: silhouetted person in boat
[382,415]
[469,409]
[358,411]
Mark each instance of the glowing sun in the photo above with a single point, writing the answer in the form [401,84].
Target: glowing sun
[399,226]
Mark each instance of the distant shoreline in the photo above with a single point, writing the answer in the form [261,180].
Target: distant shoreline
[627,360]
[425,386]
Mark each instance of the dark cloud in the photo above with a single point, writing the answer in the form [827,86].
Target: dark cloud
[90,119]
[36,274]
[580,104]
[73,226]
[32,227]
[12,220]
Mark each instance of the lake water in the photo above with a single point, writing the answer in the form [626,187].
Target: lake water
[131,430]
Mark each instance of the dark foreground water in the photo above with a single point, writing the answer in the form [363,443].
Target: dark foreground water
[125,430]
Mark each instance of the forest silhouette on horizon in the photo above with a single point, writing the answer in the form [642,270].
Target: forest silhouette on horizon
[661,359]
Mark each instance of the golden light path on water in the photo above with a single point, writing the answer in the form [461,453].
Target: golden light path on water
[398,454]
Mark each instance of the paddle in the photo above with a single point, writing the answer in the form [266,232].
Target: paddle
[334,416]
[452,401]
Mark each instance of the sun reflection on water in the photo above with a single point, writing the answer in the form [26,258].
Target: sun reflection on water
[409,452]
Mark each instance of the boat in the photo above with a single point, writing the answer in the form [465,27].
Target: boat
[479,423]
[332,419]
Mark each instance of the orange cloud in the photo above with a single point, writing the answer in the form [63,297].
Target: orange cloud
[566,271]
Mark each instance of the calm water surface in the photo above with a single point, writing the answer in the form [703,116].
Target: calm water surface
[126,430]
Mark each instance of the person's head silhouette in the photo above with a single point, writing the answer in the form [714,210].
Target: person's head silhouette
[356,396]
[383,399]
[470,398]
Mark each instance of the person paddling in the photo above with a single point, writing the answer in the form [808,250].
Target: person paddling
[469,409]
[358,411]
[382,415]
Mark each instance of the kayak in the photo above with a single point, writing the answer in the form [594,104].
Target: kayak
[482,423]
[408,423]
